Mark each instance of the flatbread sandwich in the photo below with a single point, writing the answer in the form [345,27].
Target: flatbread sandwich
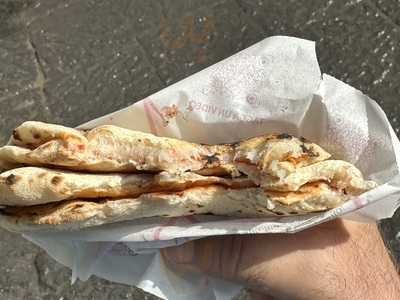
[58,178]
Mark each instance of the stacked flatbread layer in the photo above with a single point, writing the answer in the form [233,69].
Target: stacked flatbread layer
[58,178]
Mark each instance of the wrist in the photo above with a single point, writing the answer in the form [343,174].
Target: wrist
[338,260]
[359,268]
[363,261]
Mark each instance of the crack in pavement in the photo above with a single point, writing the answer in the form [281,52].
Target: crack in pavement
[40,281]
[40,76]
[37,269]
[40,79]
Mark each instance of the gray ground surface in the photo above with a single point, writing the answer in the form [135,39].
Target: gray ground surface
[70,61]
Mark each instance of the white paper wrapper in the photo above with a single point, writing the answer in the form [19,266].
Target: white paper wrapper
[273,86]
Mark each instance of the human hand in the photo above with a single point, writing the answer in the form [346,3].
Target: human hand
[335,260]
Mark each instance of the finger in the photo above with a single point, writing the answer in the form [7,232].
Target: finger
[218,255]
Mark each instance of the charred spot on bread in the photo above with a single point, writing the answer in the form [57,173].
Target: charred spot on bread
[308,151]
[36,135]
[15,135]
[241,173]
[11,179]
[77,205]
[303,139]
[243,160]
[284,136]
[56,180]
[199,205]
[210,158]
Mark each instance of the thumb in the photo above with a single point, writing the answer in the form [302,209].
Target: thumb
[219,256]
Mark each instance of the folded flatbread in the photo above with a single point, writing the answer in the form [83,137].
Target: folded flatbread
[34,185]
[110,149]
[217,200]
[114,149]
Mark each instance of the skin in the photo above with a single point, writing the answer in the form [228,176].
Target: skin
[335,260]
